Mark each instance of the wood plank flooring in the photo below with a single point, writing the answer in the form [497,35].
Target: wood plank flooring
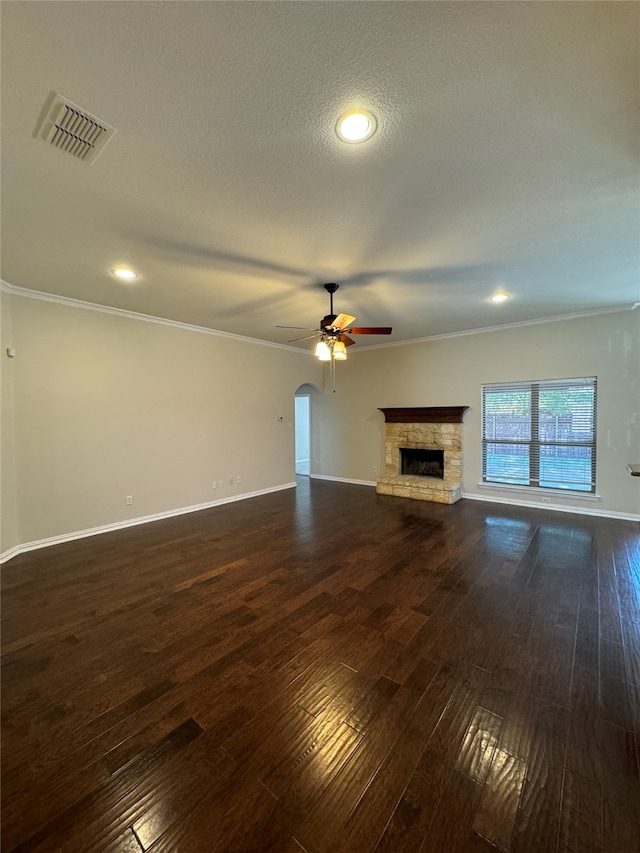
[326,669]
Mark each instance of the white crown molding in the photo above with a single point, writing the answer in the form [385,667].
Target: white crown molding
[555,319]
[162,321]
[133,315]
[134,522]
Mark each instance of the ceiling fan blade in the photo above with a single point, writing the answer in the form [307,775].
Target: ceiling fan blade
[346,340]
[305,338]
[370,330]
[304,328]
[342,321]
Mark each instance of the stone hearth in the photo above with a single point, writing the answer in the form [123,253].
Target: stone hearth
[428,428]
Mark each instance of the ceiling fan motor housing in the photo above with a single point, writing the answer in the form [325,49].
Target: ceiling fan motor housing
[337,328]
[331,288]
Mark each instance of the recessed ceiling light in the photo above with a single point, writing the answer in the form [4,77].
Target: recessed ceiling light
[356,126]
[125,273]
[500,297]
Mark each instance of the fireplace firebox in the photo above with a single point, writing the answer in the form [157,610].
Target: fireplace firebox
[422,463]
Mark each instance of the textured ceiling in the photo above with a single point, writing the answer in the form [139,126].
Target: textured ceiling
[506,156]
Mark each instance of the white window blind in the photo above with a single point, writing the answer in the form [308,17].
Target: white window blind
[540,434]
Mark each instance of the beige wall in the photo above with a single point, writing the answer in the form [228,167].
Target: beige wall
[349,430]
[107,406]
[97,406]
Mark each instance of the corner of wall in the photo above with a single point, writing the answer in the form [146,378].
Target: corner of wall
[10,527]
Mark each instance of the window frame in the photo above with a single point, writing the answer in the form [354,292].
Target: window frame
[534,443]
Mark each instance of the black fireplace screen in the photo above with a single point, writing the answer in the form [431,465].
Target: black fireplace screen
[422,463]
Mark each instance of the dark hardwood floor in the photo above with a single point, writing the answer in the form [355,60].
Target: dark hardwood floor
[326,669]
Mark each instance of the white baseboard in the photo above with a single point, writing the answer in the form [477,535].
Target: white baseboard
[622,516]
[12,552]
[146,519]
[600,513]
[342,480]
[133,522]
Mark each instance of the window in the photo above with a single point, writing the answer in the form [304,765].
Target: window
[540,434]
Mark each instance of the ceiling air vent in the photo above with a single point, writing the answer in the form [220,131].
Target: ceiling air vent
[75,131]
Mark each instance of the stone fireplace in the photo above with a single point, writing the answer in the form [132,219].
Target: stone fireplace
[435,467]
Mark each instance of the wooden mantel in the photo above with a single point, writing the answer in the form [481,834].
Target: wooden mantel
[425,415]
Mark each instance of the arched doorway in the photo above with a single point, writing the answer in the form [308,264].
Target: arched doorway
[303,434]
[303,429]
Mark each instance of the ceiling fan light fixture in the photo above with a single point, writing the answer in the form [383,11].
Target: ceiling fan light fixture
[339,351]
[322,351]
[356,126]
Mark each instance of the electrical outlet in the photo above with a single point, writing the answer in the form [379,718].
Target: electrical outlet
[214,485]
[375,469]
[238,480]
[546,500]
[220,484]
[231,481]
[129,500]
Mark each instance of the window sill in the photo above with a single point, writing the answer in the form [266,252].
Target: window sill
[532,490]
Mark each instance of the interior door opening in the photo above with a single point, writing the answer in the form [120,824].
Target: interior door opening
[302,435]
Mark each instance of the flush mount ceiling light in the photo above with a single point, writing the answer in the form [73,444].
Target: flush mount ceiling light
[356,126]
[124,273]
[500,297]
